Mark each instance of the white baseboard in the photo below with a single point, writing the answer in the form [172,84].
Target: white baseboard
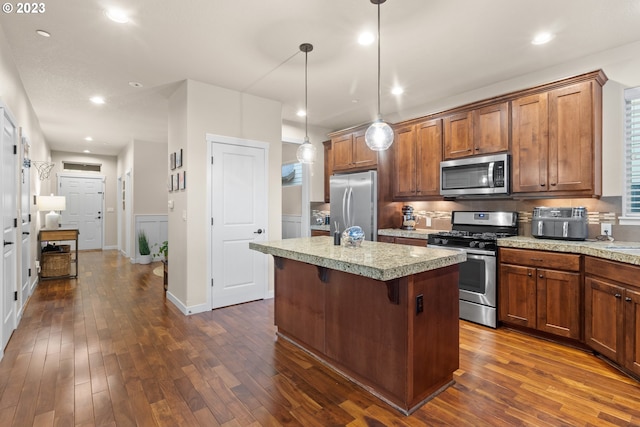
[109,248]
[200,308]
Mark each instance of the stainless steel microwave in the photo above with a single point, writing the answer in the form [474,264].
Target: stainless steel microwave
[475,176]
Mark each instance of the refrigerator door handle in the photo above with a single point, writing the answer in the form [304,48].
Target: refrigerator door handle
[350,207]
[344,208]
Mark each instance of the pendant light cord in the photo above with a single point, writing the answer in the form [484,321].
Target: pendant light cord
[379,114]
[306,112]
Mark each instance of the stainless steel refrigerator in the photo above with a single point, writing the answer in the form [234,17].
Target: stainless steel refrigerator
[354,201]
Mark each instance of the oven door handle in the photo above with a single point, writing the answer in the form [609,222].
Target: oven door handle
[477,252]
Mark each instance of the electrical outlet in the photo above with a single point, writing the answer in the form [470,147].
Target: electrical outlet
[605,229]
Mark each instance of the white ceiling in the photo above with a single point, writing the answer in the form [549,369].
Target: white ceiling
[434,48]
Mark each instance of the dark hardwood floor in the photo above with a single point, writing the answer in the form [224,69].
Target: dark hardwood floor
[108,349]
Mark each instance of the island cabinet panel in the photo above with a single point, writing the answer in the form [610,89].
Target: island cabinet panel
[374,332]
[299,303]
[546,299]
[612,311]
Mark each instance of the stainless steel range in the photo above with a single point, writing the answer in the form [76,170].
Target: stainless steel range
[476,233]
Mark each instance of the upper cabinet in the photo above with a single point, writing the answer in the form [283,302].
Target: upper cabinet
[481,131]
[417,156]
[328,169]
[350,152]
[557,141]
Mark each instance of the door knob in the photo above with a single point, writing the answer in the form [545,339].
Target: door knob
[258,232]
[25,232]
[7,243]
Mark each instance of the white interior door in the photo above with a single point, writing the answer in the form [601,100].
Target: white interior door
[239,214]
[25,210]
[84,199]
[9,227]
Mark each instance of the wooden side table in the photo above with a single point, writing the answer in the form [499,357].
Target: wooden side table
[60,235]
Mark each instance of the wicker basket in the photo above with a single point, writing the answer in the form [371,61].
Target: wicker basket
[55,264]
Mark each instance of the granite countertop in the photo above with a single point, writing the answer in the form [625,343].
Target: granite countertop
[627,252]
[321,227]
[419,233]
[376,260]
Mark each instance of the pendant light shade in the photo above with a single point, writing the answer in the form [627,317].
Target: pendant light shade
[306,152]
[379,135]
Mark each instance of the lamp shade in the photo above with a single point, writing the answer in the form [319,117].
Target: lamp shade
[52,203]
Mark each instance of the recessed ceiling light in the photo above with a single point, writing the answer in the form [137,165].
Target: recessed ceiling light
[301,113]
[43,33]
[97,100]
[397,90]
[366,38]
[542,38]
[355,101]
[117,15]
[86,151]
[88,138]
[135,84]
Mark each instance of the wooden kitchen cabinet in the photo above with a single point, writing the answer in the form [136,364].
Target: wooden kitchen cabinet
[481,131]
[328,169]
[541,290]
[612,311]
[350,152]
[556,140]
[416,167]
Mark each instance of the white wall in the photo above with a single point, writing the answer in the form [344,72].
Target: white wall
[196,109]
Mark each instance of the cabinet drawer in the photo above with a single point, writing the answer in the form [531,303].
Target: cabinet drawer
[58,234]
[543,259]
[410,241]
[611,270]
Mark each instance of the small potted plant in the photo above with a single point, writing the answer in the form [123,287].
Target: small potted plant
[163,251]
[143,248]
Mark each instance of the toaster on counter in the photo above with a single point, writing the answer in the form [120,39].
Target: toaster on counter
[560,223]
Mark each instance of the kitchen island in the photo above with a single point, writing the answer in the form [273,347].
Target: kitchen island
[383,315]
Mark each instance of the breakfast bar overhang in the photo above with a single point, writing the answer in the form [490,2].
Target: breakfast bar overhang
[383,315]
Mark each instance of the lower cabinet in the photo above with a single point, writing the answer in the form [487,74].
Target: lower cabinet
[541,290]
[319,233]
[612,311]
[403,240]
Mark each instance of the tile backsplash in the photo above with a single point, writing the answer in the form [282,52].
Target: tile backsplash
[603,210]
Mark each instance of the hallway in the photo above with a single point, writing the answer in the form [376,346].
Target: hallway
[109,350]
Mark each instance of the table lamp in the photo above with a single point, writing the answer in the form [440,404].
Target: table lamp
[51,203]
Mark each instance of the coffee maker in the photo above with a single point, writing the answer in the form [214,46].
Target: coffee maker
[408,218]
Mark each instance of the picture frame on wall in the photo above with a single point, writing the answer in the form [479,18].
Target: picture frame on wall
[179,158]
[175,181]
[172,161]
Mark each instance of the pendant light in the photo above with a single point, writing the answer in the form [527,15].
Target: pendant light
[379,135]
[306,152]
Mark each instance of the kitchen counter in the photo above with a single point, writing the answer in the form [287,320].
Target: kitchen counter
[383,315]
[321,227]
[419,233]
[627,252]
[375,260]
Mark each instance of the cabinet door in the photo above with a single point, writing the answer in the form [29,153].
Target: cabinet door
[428,157]
[411,242]
[558,295]
[491,129]
[517,295]
[571,138]
[363,156]
[342,150]
[404,162]
[632,330]
[328,169]
[604,319]
[529,143]
[458,135]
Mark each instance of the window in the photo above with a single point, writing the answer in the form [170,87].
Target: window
[631,195]
[82,167]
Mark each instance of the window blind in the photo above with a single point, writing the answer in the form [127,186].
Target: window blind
[631,195]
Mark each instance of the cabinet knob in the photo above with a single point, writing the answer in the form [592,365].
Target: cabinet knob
[541,276]
[529,274]
[618,296]
[627,299]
